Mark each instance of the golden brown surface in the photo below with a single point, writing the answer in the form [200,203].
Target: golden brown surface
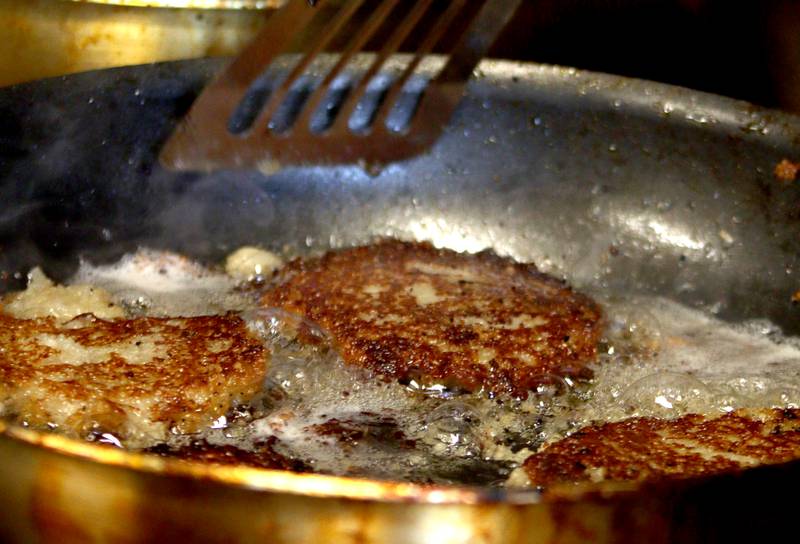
[642,449]
[134,378]
[410,311]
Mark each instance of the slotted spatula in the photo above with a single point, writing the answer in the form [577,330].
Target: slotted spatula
[242,121]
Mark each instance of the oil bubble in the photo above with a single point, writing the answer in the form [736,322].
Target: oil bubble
[665,394]
[633,325]
[452,425]
[283,329]
[549,390]
[780,397]
[453,416]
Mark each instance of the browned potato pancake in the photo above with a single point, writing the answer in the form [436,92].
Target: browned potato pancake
[134,378]
[411,311]
[643,449]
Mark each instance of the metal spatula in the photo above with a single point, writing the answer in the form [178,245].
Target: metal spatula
[246,119]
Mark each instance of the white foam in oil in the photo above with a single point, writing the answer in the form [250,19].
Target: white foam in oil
[658,358]
[663,359]
[342,420]
[160,283]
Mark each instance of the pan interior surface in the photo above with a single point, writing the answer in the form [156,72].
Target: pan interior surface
[621,185]
[627,185]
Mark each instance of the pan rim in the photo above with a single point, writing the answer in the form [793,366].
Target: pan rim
[645,97]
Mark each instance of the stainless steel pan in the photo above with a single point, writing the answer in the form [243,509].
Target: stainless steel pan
[610,182]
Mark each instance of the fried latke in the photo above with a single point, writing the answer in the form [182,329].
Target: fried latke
[137,379]
[647,449]
[409,311]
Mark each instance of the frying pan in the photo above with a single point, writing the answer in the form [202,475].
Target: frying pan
[618,184]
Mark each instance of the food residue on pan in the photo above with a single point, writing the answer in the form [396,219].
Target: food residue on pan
[394,360]
[786,171]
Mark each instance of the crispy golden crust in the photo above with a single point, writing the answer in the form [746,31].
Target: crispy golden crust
[135,378]
[410,311]
[645,449]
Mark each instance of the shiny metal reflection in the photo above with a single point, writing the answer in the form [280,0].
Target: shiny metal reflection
[192,4]
[45,38]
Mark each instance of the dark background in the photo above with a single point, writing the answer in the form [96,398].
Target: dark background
[744,49]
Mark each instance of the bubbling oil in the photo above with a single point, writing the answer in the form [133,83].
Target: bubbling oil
[662,359]
[657,359]
[164,284]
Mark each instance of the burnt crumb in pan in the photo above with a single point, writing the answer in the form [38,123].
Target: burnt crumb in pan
[786,171]
[262,456]
[409,311]
[365,426]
